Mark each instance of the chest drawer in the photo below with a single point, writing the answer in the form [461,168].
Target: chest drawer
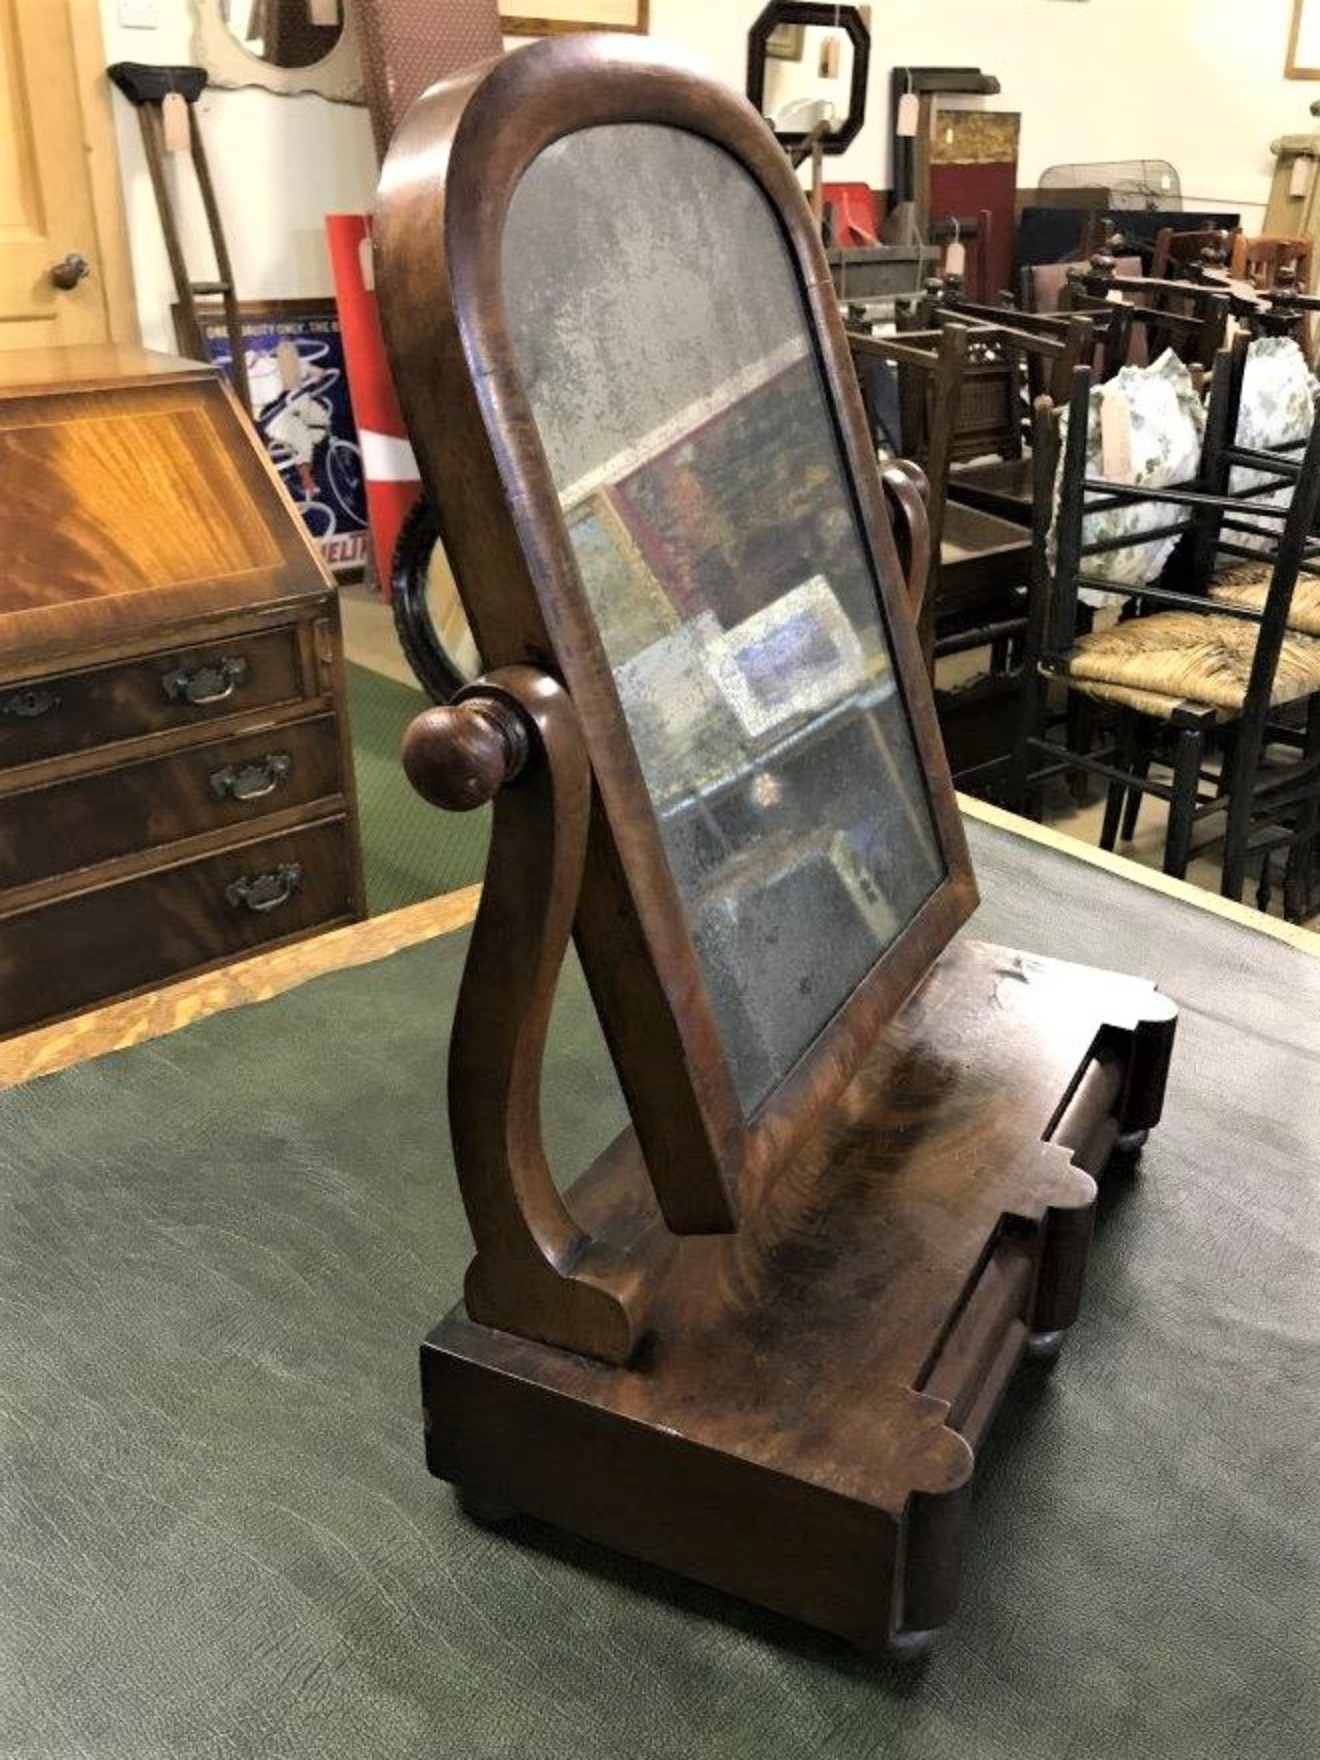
[69,954]
[76,712]
[70,825]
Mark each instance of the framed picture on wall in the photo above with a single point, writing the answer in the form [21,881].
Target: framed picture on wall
[544,18]
[1304,41]
[295,367]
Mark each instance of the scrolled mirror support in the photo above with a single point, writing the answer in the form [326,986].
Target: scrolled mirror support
[513,738]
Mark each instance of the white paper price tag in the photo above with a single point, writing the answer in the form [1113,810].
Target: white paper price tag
[174,122]
[1116,437]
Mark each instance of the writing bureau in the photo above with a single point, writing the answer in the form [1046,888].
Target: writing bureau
[759,1341]
[175,776]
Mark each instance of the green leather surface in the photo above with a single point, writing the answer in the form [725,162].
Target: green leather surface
[218,1254]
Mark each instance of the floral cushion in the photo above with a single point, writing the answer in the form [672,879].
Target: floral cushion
[1168,428]
[1278,400]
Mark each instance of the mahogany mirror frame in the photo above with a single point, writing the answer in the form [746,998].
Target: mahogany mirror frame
[444,199]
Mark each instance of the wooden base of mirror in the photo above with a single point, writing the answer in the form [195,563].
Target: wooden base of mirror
[798,1426]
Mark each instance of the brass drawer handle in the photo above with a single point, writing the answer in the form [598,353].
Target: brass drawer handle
[265,892]
[203,685]
[31,701]
[253,780]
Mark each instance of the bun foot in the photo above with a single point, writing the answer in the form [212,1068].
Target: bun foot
[1044,1347]
[911,1646]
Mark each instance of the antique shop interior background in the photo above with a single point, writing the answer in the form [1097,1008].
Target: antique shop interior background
[902,715]
[1027,156]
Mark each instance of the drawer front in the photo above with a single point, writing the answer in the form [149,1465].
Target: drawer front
[48,717]
[72,825]
[78,951]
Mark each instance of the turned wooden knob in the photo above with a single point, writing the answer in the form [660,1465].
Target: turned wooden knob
[461,755]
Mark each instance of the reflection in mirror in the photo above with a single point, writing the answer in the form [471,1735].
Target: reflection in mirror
[810,82]
[285,33]
[686,424]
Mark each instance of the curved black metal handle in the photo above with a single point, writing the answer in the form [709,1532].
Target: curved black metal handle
[253,780]
[260,893]
[213,682]
[29,702]
[410,567]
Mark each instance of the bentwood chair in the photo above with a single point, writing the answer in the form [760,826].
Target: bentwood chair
[1183,675]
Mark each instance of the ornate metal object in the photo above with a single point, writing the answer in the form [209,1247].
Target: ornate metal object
[30,701]
[253,780]
[265,892]
[213,683]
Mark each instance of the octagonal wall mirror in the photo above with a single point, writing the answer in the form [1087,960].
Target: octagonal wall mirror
[284,46]
[655,481]
[807,67]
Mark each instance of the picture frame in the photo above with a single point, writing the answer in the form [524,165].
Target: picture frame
[562,17]
[308,427]
[1303,60]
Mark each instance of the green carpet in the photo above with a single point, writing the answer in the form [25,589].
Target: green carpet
[410,851]
[218,1540]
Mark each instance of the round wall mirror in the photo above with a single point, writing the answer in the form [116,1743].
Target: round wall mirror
[285,46]
[285,33]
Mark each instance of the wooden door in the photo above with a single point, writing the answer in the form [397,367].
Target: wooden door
[59,185]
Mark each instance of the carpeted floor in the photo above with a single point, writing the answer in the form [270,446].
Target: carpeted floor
[218,1254]
[410,851]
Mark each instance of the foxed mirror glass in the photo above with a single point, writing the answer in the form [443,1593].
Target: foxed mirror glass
[284,46]
[658,325]
[285,33]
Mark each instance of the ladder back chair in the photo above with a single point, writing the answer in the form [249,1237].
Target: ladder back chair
[1186,673]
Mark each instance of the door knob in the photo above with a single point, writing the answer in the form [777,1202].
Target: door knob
[67,274]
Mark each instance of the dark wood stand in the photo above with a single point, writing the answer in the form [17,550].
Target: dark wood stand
[760,1340]
[796,1418]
